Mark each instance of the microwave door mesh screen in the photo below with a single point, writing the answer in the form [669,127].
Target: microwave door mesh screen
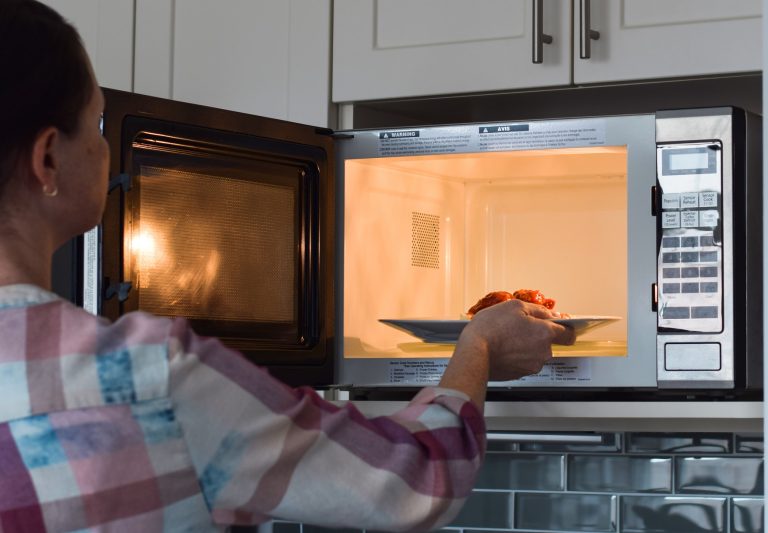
[215,248]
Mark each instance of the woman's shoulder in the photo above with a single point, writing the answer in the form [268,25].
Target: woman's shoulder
[89,333]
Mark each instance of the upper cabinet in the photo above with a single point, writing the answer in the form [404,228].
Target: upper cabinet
[641,39]
[268,58]
[106,28]
[400,48]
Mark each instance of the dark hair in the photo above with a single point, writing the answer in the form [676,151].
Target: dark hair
[46,80]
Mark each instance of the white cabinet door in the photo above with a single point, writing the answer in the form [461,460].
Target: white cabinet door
[401,48]
[106,28]
[265,57]
[641,39]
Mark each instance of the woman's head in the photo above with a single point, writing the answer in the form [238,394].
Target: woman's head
[53,157]
[47,79]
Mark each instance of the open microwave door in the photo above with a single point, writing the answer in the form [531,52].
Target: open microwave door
[225,219]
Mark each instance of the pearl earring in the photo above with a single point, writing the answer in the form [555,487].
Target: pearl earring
[50,192]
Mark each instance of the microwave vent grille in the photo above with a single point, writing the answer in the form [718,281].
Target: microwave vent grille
[425,240]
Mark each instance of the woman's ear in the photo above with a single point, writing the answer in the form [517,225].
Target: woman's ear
[45,159]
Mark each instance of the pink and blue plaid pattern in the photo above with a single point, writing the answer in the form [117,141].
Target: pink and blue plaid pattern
[141,425]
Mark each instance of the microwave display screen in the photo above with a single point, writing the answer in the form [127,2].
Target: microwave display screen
[681,161]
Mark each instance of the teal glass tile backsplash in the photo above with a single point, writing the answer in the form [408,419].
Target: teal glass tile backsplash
[486,509]
[672,514]
[679,442]
[719,475]
[619,473]
[749,443]
[629,483]
[747,515]
[565,512]
[523,470]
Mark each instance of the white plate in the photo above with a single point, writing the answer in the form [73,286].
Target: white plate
[439,331]
[582,324]
[448,331]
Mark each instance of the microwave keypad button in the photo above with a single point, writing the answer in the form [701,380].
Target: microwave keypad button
[708,199]
[689,219]
[670,288]
[705,356]
[690,242]
[708,272]
[690,272]
[706,240]
[689,200]
[709,218]
[690,257]
[690,288]
[670,201]
[670,257]
[671,273]
[708,257]
[676,312]
[670,219]
[710,311]
[709,287]
[670,242]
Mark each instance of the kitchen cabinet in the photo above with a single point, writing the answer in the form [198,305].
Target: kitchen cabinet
[106,28]
[397,48]
[400,48]
[268,58]
[669,38]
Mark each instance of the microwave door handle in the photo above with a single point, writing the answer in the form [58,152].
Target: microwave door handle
[561,438]
[539,37]
[586,33]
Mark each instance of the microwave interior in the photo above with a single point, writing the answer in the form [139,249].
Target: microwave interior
[426,236]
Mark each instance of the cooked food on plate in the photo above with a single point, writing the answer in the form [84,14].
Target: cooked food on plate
[496,297]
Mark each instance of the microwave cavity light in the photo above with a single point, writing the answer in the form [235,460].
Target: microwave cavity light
[144,246]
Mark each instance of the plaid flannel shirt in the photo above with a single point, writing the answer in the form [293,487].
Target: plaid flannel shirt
[140,425]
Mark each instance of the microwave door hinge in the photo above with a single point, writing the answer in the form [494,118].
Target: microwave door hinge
[121,180]
[120,290]
[330,133]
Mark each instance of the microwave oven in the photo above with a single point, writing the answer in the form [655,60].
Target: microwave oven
[349,259]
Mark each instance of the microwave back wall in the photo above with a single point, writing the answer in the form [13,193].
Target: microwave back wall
[351,259]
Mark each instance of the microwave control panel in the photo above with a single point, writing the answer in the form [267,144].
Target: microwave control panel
[690,256]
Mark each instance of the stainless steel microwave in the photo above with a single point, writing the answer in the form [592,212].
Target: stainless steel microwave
[351,258]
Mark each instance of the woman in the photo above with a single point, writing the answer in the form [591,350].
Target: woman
[141,425]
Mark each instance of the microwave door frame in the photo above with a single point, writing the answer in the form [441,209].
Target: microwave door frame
[267,133]
[636,371]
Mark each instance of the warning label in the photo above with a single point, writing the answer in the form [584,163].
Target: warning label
[537,136]
[492,137]
[564,370]
[394,143]
[427,372]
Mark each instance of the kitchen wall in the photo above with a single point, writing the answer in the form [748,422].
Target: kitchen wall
[634,482]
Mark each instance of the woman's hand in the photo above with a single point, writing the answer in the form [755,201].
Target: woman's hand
[518,337]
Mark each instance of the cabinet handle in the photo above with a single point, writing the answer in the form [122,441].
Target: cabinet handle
[539,37]
[586,34]
[546,437]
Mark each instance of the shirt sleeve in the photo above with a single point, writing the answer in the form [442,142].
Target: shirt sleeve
[264,450]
